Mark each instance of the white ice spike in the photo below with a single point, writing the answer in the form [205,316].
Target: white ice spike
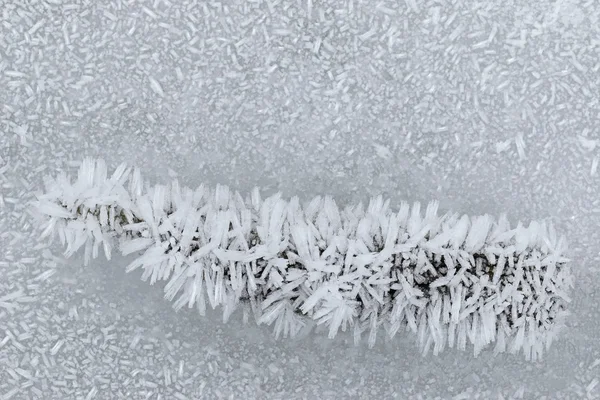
[452,280]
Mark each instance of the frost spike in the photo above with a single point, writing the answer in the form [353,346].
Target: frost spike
[450,279]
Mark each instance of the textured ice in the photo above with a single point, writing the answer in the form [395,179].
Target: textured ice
[287,96]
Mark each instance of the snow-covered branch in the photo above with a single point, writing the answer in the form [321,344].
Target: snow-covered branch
[448,279]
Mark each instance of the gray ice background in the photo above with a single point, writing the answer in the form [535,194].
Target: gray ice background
[486,106]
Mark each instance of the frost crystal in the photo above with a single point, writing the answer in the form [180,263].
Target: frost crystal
[448,279]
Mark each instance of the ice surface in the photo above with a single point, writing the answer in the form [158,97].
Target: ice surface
[291,96]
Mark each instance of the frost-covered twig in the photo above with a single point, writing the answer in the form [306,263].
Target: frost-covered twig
[448,279]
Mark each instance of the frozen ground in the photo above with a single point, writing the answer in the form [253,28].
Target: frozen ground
[487,106]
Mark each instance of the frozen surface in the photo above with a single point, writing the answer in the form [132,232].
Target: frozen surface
[486,107]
